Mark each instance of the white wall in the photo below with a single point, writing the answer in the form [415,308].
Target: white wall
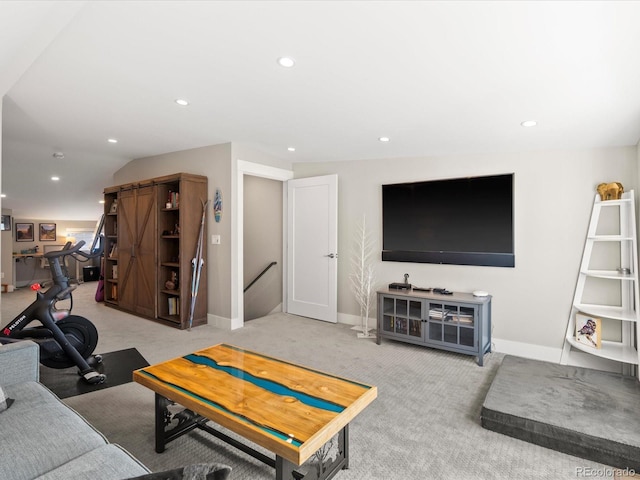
[28,271]
[220,164]
[554,193]
[213,162]
[262,245]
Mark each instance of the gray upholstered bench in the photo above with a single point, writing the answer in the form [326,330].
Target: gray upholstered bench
[583,412]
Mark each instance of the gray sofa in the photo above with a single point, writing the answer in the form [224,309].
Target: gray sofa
[42,438]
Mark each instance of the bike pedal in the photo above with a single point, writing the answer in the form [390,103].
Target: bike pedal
[92,377]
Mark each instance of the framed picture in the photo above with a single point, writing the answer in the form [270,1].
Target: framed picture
[588,330]
[6,223]
[24,232]
[47,232]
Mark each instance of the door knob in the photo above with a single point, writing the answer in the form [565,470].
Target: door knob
[332,255]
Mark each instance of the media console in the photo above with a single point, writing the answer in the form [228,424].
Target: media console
[460,322]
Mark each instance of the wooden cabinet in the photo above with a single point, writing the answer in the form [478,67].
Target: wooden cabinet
[458,323]
[152,231]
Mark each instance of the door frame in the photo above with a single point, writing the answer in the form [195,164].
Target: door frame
[237,225]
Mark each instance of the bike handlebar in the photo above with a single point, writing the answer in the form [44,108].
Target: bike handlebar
[66,250]
[74,250]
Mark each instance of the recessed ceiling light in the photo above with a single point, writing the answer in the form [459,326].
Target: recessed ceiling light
[529,123]
[384,139]
[292,149]
[182,102]
[55,179]
[3,195]
[112,140]
[100,201]
[286,62]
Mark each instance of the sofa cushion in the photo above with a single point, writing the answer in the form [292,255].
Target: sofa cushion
[108,462]
[5,402]
[19,363]
[199,471]
[39,433]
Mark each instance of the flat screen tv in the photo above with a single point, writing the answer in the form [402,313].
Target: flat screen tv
[459,221]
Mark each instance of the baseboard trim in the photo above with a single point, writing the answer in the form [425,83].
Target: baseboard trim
[526,350]
[519,349]
[224,322]
[551,354]
[349,319]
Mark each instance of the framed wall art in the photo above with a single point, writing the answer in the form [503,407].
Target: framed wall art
[24,232]
[47,232]
[588,330]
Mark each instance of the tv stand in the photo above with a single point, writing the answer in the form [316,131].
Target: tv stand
[458,322]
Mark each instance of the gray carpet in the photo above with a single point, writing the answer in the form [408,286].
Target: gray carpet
[425,422]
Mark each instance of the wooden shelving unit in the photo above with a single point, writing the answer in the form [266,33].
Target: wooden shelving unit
[110,247]
[155,229]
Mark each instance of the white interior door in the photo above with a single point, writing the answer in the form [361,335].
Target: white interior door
[312,247]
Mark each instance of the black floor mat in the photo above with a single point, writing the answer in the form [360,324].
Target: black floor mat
[117,366]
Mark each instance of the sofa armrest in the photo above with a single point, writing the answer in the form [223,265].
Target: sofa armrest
[19,362]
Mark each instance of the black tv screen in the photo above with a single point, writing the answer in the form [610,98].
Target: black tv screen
[460,221]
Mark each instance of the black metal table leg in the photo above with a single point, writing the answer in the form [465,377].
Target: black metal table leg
[284,469]
[324,468]
[186,421]
[162,415]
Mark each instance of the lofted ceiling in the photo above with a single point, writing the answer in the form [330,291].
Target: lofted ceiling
[437,78]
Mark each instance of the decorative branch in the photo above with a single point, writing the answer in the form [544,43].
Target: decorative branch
[362,278]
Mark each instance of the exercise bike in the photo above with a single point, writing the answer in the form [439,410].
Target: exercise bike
[65,340]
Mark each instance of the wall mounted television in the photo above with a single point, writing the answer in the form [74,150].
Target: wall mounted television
[459,221]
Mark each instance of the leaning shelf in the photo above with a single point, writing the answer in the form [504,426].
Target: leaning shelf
[608,311]
[608,215]
[610,350]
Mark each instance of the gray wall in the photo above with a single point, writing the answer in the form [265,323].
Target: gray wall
[262,245]
[29,271]
[213,162]
[554,192]
[219,164]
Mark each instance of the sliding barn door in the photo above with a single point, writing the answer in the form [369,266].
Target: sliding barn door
[136,250]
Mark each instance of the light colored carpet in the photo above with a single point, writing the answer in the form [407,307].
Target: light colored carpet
[425,422]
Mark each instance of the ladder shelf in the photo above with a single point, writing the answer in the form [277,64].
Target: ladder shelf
[621,276]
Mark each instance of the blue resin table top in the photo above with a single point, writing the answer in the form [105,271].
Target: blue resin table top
[286,408]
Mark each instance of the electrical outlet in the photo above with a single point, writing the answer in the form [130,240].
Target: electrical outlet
[215,239]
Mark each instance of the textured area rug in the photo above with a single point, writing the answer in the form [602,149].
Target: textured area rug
[117,366]
[425,423]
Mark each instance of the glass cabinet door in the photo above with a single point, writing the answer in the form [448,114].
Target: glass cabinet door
[452,324]
[402,317]
[389,313]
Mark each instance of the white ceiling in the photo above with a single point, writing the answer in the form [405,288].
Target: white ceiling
[438,78]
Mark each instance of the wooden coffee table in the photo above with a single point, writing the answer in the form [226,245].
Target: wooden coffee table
[288,409]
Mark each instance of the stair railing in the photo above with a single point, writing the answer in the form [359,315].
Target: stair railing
[260,275]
